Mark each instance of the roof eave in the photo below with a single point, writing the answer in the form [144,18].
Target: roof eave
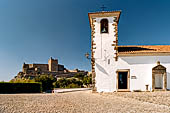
[144,54]
[103,12]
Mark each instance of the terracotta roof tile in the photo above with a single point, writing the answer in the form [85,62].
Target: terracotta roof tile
[143,49]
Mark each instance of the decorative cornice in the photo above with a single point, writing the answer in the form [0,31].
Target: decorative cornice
[103,14]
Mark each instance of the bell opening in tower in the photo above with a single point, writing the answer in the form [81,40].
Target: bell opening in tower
[104,26]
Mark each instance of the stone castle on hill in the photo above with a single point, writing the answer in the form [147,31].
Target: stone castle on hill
[52,68]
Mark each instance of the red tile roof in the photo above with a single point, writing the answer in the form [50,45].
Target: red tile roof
[144,50]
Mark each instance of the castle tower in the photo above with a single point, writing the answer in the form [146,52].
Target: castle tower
[53,64]
[104,42]
[25,68]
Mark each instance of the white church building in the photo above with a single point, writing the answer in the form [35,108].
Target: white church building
[125,68]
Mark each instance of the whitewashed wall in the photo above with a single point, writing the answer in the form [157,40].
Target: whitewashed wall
[103,52]
[140,66]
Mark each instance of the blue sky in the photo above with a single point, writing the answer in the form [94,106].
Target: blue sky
[32,31]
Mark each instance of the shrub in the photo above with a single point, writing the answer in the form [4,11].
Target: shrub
[22,80]
[72,85]
[87,80]
[62,83]
[80,76]
[68,83]
[6,87]
[47,81]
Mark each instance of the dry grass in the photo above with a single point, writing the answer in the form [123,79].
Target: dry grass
[86,102]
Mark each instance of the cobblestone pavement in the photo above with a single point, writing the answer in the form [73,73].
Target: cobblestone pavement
[86,102]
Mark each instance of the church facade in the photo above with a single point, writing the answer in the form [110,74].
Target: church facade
[125,68]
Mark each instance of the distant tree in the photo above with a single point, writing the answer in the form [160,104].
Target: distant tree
[87,80]
[47,81]
[79,75]
[62,83]
[78,83]
[22,80]
[72,85]
[68,83]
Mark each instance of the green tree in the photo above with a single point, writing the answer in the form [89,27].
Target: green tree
[22,80]
[76,83]
[47,81]
[62,83]
[68,83]
[80,76]
[72,85]
[87,80]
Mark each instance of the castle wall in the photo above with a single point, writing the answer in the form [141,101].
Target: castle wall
[32,70]
[53,65]
[60,67]
[52,68]
[43,67]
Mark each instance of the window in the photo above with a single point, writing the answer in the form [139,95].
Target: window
[104,26]
[108,61]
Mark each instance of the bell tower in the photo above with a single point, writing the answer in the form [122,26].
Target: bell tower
[104,42]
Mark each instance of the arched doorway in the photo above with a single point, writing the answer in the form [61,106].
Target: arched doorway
[159,77]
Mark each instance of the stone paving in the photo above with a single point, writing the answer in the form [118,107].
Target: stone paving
[86,102]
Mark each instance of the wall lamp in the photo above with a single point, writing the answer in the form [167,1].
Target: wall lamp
[87,55]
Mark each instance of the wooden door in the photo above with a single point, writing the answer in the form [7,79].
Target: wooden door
[123,80]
